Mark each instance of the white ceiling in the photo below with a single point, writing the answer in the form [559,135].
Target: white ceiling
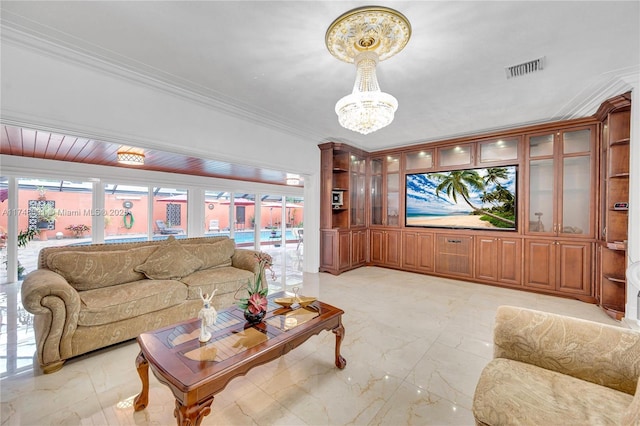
[268,58]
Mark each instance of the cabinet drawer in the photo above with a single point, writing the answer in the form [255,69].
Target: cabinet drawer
[454,255]
[451,244]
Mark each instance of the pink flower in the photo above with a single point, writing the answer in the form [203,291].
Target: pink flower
[257,303]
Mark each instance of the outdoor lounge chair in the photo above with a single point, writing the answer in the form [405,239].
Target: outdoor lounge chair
[164,230]
[300,233]
[214,225]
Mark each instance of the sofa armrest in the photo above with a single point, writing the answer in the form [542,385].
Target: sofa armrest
[603,354]
[56,305]
[245,259]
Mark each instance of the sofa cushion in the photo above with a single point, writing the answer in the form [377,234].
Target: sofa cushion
[86,270]
[632,414]
[169,261]
[118,302]
[213,255]
[516,393]
[225,279]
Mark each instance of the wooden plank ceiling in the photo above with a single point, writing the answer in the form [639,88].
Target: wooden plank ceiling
[37,144]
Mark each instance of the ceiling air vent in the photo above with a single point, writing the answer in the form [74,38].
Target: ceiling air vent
[525,68]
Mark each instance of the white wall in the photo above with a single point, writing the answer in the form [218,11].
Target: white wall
[40,91]
[632,313]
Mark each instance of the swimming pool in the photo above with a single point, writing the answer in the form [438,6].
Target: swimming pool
[240,237]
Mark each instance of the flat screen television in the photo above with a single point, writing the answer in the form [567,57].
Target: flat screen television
[463,199]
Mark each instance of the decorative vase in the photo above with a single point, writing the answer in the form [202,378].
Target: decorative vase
[254,318]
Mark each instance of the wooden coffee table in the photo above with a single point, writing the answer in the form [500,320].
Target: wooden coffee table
[196,371]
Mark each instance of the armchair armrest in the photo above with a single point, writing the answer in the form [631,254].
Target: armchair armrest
[603,354]
[55,305]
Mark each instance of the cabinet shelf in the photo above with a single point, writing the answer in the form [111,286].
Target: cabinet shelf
[340,170]
[615,191]
[340,189]
[620,142]
[615,279]
[615,312]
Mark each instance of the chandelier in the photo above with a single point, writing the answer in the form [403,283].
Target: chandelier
[365,36]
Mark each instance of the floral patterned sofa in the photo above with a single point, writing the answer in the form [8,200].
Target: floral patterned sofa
[551,369]
[89,297]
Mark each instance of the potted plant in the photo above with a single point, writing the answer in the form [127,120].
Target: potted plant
[46,214]
[23,239]
[78,230]
[255,304]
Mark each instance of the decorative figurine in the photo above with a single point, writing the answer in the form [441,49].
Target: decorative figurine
[208,315]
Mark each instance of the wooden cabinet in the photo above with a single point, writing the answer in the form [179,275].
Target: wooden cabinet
[454,255]
[615,115]
[558,266]
[385,247]
[417,251]
[358,247]
[571,195]
[328,253]
[498,259]
[343,207]
[342,250]
[560,181]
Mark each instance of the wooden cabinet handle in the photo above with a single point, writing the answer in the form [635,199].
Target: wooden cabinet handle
[454,241]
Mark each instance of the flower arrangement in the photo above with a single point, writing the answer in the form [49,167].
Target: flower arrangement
[78,228]
[256,301]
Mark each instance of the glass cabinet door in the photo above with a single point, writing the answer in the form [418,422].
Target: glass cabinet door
[458,155]
[576,182]
[541,188]
[498,150]
[541,183]
[357,193]
[420,160]
[393,190]
[385,191]
[376,191]
[560,183]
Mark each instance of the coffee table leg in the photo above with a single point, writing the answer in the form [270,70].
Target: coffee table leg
[192,415]
[142,365]
[339,332]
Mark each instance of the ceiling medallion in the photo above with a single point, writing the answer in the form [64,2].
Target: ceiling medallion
[365,36]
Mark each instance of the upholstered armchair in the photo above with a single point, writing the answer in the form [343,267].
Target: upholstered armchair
[551,369]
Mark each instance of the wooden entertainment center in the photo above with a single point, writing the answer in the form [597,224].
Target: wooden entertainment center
[571,209]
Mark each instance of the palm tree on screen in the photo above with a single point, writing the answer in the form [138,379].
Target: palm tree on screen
[458,182]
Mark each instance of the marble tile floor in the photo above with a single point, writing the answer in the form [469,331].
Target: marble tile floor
[415,346]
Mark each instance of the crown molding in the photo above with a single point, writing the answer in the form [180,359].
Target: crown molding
[587,102]
[149,77]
